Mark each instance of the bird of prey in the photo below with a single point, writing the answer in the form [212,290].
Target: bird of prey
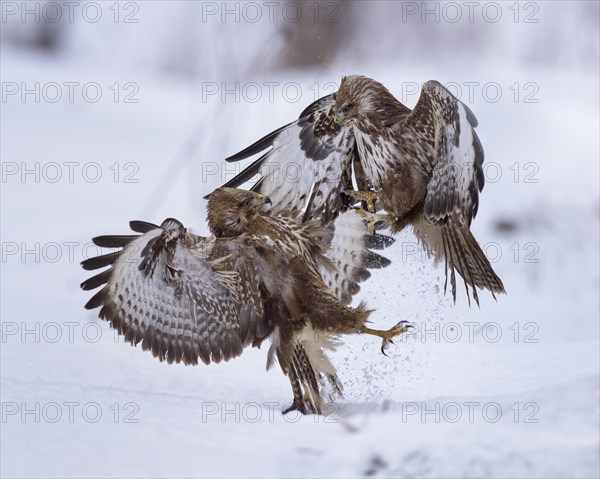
[422,166]
[187,297]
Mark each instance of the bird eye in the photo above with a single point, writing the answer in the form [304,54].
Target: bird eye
[246,202]
[344,111]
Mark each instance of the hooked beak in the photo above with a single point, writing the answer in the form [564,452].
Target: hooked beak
[340,119]
[264,200]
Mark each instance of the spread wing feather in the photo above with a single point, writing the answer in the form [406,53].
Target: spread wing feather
[457,176]
[350,255]
[308,165]
[167,290]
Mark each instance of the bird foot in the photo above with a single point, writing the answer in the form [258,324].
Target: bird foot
[375,221]
[388,336]
[295,406]
[369,197]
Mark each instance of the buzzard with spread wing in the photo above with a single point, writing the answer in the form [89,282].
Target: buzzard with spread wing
[185,297]
[424,166]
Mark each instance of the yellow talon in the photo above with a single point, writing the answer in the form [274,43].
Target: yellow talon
[373,218]
[368,197]
[390,334]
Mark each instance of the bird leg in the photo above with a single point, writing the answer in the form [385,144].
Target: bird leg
[369,197]
[387,336]
[373,218]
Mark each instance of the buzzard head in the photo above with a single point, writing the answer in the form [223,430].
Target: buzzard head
[359,99]
[230,210]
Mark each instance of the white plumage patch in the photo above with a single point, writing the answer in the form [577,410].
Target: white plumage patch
[346,253]
[305,164]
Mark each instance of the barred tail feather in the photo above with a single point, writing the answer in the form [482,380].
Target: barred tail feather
[303,378]
[304,361]
[463,254]
[313,376]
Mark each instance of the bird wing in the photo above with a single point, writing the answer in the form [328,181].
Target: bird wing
[457,176]
[168,290]
[351,256]
[308,166]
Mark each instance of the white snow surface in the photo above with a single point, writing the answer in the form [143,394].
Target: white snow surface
[510,389]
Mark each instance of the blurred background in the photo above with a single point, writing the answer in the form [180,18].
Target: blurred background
[113,111]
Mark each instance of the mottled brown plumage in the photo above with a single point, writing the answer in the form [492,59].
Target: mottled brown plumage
[425,165]
[186,297]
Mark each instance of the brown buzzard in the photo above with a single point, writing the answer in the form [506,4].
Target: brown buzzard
[185,297]
[423,165]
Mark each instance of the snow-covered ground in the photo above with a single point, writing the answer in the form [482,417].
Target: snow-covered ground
[510,389]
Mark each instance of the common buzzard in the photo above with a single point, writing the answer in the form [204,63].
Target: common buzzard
[424,166]
[185,297]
